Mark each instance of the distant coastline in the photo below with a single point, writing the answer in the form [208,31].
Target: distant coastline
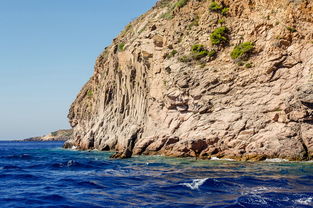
[59,135]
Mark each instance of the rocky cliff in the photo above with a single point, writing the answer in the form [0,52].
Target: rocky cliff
[230,79]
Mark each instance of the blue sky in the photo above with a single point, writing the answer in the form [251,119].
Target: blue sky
[47,52]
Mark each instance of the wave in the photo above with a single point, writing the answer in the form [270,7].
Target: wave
[195,184]
[278,160]
[259,190]
[219,159]
[276,199]
[305,201]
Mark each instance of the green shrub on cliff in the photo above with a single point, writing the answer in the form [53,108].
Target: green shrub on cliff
[171,54]
[212,53]
[221,21]
[224,11]
[199,51]
[167,15]
[121,47]
[89,93]
[248,65]
[164,3]
[242,50]
[219,36]
[181,3]
[215,7]
[291,29]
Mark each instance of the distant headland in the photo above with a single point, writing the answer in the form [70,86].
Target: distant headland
[59,135]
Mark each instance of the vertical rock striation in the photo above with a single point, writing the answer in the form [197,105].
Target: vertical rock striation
[152,92]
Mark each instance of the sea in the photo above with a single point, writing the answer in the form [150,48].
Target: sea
[43,174]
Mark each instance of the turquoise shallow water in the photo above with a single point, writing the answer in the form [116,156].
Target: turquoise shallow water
[35,174]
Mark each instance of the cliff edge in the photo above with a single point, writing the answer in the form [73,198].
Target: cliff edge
[201,78]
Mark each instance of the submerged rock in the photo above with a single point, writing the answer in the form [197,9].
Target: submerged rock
[164,87]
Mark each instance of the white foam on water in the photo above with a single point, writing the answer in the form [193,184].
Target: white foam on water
[219,159]
[305,201]
[259,190]
[195,184]
[70,163]
[74,148]
[278,160]
[256,190]
[123,173]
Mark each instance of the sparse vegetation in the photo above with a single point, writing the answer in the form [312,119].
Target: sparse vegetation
[291,29]
[142,29]
[242,50]
[121,47]
[248,65]
[185,59]
[171,54]
[199,51]
[224,11]
[167,15]
[212,53]
[181,3]
[165,3]
[127,29]
[241,63]
[89,93]
[195,22]
[219,36]
[221,21]
[215,7]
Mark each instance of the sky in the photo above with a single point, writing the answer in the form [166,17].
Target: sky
[47,52]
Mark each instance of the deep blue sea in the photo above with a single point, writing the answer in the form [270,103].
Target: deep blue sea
[42,174]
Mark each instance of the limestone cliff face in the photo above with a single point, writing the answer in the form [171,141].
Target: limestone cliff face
[151,93]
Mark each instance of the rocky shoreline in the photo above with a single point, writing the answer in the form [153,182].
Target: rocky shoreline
[193,78]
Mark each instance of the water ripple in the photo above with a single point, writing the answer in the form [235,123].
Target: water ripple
[44,175]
